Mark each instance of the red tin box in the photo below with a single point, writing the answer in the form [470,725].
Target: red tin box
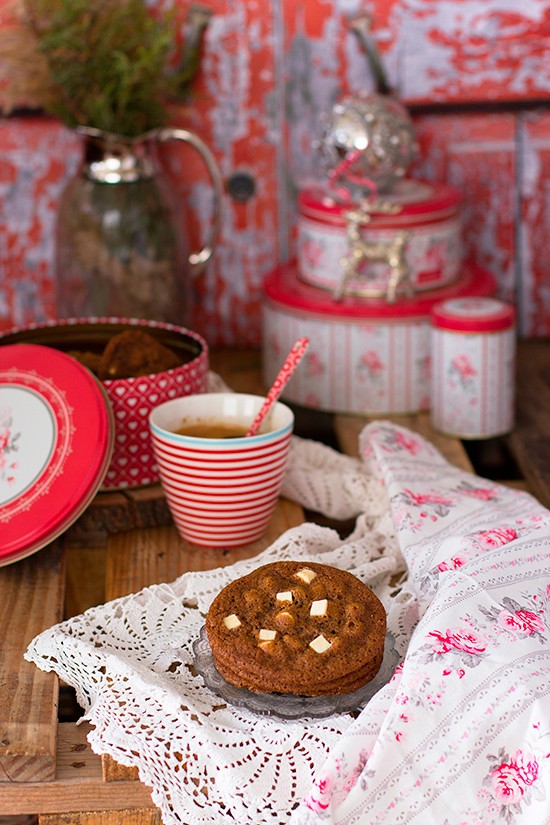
[132,399]
[370,357]
[412,235]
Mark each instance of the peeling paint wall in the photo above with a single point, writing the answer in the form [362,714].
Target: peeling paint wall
[475,74]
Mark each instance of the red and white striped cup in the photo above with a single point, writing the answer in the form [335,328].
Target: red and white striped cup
[221,491]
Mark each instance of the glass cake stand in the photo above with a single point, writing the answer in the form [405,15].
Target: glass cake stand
[287,706]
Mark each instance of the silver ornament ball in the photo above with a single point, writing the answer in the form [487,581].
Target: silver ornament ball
[369,138]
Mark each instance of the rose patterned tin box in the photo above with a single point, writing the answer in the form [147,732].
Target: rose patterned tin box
[404,243]
[370,357]
[473,354]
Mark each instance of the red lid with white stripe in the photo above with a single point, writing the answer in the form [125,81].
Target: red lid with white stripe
[283,286]
[56,441]
[473,314]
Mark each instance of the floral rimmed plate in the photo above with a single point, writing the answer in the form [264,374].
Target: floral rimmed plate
[286,706]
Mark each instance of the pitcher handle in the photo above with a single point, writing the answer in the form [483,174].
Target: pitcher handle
[198,260]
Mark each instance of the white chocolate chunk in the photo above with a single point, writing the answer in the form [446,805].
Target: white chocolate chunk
[284,596]
[267,635]
[232,621]
[306,575]
[320,644]
[318,607]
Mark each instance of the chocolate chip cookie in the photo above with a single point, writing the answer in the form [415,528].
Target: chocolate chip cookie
[299,628]
[134,353]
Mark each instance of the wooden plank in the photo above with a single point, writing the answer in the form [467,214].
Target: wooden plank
[133,817]
[240,369]
[78,786]
[137,559]
[349,427]
[113,771]
[116,511]
[84,578]
[529,441]
[31,600]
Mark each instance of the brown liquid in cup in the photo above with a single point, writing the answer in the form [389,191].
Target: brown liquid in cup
[213,429]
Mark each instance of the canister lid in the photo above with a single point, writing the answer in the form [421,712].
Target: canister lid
[283,286]
[473,314]
[56,441]
[416,201]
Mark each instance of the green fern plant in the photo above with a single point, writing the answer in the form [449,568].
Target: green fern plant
[113,64]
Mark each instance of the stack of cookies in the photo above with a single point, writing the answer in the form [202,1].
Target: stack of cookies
[298,628]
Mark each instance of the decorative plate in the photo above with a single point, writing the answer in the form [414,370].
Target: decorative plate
[56,440]
[286,706]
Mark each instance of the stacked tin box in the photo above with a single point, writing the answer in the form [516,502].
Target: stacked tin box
[376,251]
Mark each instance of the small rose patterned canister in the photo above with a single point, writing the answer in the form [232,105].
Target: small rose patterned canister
[473,367]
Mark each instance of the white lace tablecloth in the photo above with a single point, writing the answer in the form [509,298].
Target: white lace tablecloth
[461,733]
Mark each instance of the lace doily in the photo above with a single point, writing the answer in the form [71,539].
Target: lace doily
[131,663]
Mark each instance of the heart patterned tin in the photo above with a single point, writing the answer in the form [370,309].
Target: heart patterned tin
[133,462]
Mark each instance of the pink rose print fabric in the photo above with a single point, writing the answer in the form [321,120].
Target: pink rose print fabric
[461,733]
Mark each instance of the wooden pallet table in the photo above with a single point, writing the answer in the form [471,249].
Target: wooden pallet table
[125,542]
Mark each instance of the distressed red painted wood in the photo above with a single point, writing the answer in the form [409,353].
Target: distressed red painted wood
[455,51]
[269,72]
[533,253]
[477,153]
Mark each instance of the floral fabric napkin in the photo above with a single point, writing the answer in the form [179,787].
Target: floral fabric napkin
[461,734]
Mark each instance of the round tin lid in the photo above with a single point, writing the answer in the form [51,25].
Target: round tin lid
[417,202]
[283,286]
[56,440]
[471,314]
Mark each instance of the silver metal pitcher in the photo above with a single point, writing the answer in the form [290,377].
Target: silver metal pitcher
[122,247]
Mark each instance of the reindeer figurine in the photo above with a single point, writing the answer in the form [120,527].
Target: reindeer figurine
[391,252]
